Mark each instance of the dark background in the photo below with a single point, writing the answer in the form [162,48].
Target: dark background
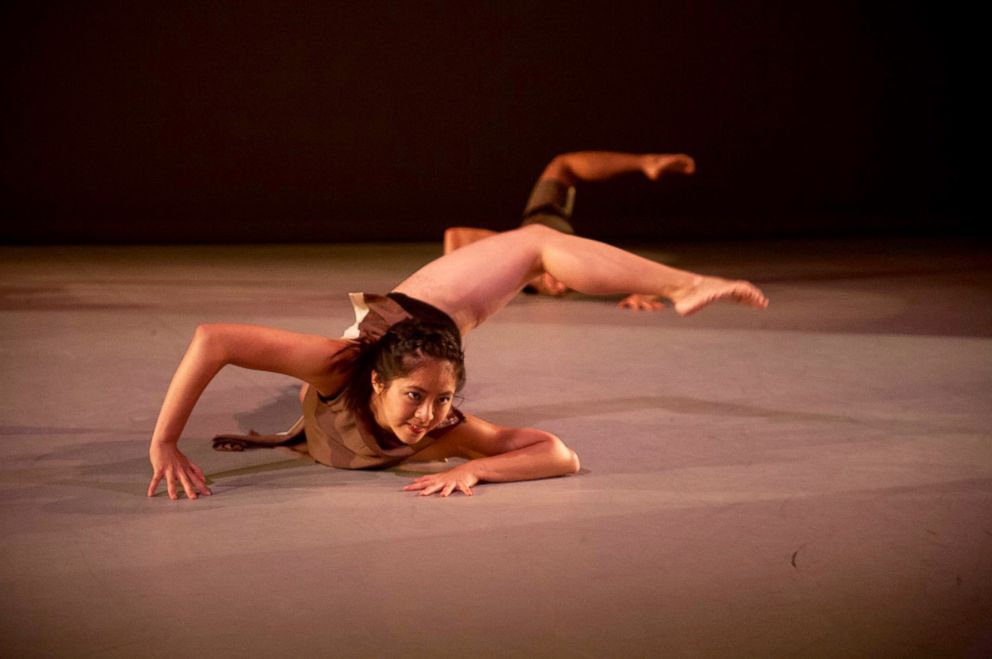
[296,121]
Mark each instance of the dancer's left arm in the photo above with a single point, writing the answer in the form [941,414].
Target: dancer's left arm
[498,455]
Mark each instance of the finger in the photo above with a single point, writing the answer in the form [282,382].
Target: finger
[187,486]
[199,483]
[448,489]
[426,492]
[170,484]
[466,490]
[156,479]
[421,482]
[199,480]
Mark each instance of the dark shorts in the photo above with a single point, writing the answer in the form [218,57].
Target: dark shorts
[550,204]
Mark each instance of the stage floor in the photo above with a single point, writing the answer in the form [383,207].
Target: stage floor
[812,480]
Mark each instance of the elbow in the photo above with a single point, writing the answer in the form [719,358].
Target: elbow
[207,341]
[565,458]
[205,336]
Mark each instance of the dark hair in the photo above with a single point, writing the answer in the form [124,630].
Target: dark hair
[400,351]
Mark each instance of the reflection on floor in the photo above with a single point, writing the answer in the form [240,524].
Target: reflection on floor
[814,480]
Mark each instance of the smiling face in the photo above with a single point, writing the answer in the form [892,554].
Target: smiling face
[410,406]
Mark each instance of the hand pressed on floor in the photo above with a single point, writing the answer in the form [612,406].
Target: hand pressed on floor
[460,478]
[168,462]
[639,302]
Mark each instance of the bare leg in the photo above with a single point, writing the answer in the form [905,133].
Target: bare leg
[474,282]
[458,237]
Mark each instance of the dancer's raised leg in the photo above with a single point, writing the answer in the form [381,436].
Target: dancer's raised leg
[472,283]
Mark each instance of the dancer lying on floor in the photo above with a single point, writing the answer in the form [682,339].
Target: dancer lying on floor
[382,394]
[552,201]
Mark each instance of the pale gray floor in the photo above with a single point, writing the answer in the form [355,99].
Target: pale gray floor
[815,480]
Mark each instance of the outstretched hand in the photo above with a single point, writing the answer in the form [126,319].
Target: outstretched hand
[460,478]
[168,462]
[639,302]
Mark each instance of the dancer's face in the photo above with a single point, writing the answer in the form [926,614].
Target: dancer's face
[410,406]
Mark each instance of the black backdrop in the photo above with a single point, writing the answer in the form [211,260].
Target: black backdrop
[310,121]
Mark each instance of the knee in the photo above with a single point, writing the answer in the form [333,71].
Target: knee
[205,341]
[574,465]
[205,335]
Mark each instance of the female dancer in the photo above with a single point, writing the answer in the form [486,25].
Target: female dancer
[553,198]
[383,393]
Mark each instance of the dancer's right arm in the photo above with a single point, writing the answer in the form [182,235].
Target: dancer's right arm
[314,359]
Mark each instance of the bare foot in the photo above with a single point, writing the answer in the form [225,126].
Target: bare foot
[657,165]
[705,290]
[639,302]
